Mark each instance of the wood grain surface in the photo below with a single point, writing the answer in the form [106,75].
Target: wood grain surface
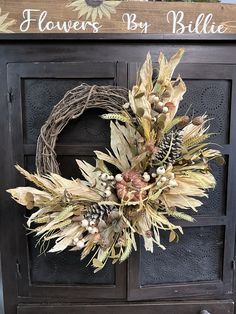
[42,16]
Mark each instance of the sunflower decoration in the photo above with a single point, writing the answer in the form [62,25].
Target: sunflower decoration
[157,169]
[95,8]
[4,24]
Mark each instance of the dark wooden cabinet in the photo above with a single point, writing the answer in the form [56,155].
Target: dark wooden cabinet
[191,276]
[216,307]
[201,263]
[35,88]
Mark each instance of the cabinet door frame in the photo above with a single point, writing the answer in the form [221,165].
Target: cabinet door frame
[62,70]
[203,289]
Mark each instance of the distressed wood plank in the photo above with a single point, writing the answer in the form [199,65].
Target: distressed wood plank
[123,17]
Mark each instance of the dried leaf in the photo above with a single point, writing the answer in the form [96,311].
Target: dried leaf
[145,76]
[127,250]
[61,245]
[167,68]
[172,236]
[29,196]
[97,263]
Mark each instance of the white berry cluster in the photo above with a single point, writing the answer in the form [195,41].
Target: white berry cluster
[162,178]
[167,179]
[158,104]
[90,228]
[106,183]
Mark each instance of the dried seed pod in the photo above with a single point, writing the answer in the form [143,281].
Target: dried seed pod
[119,177]
[153,98]
[160,170]
[84,223]
[80,244]
[90,229]
[158,108]
[104,176]
[94,230]
[170,106]
[148,233]
[146,177]
[166,94]
[184,121]
[107,193]
[163,179]
[198,120]
[152,171]
[173,183]
[165,109]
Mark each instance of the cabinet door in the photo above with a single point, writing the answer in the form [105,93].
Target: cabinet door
[201,263]
[34,88]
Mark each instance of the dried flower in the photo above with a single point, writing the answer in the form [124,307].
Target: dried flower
[130,188]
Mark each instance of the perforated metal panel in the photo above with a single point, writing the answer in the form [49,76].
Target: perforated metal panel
[196,257]
[212,97]
[41,95]
[65,268]
[215,203]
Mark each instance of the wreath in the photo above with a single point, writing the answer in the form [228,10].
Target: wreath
[71,107]
[157,168]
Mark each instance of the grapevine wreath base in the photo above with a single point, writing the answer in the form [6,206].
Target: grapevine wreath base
[71,107]
[161,162]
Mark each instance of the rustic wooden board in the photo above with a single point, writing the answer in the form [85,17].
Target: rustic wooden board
[50,16]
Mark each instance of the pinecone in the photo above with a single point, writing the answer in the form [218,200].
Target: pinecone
[175,152]
[99,212]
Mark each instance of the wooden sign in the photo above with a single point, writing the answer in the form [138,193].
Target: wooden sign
[106,16]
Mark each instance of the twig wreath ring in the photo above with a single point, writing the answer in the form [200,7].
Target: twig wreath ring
[72,106]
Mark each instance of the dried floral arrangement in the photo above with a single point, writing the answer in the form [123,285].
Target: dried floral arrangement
[158,168]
